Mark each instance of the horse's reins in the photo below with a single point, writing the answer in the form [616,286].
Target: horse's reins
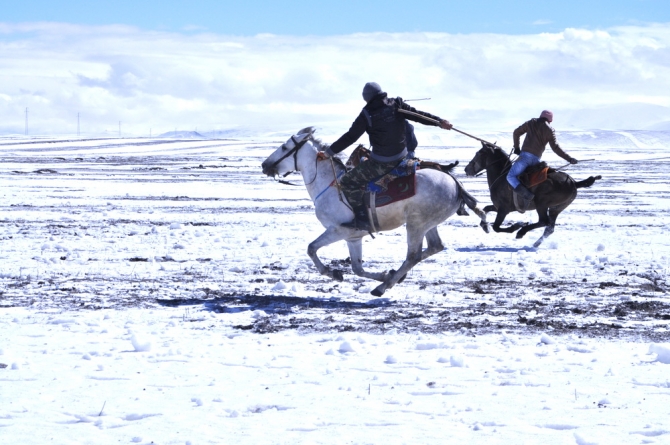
[337,184]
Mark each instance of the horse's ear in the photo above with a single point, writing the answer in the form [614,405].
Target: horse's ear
[307,130]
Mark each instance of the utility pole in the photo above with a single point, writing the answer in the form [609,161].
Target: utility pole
[77,124]
[26,130]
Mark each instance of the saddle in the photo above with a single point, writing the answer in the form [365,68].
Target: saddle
[396,185]
[530,178]
[400,183]
[535,175]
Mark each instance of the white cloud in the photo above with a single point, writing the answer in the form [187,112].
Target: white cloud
[163,80]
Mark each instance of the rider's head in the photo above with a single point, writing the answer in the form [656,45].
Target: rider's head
[548,115]
[370,90]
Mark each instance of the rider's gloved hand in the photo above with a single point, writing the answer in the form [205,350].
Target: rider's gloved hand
[321,155]
[517,151]
[445,125]
[573,161]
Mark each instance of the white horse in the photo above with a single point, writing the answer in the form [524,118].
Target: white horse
[438,196]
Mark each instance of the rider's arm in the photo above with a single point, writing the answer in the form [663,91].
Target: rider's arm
[522,129]
[404,106]
[356,131]
[557,148]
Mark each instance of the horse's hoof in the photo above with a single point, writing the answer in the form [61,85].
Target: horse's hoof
[337,275]
[393,271]
[376,292]
[486,227]
[519,235]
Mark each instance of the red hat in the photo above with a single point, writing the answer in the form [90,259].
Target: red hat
[548,115]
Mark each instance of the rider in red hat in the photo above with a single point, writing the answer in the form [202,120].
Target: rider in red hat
[538,134]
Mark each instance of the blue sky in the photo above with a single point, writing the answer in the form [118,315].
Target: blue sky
[286,65]
[337,17]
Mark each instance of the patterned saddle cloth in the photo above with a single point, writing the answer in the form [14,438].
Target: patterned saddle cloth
[398,184]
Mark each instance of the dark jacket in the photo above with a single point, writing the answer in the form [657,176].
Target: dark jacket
[538,133]
[385,127]
[410,137]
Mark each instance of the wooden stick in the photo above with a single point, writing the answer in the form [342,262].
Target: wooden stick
[436,122]
[569,164]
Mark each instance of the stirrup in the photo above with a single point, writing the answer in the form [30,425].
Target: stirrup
[357,224]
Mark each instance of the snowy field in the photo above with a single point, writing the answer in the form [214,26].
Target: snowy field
[159,291]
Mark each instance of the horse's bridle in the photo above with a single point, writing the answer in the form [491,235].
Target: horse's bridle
[493,163]
[292,152]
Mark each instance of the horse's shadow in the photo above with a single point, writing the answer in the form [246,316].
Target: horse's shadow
[496,249]
[271,304]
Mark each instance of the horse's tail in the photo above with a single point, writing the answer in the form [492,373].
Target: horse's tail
[587,182]
[466,199]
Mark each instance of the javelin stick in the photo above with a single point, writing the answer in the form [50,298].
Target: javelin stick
[414,100]
[569,164]
[436,122]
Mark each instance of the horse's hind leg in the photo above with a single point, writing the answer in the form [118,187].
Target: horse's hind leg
[331,235]
[543,221]
[552,215]
[356,255]
[434,244]
[414,255]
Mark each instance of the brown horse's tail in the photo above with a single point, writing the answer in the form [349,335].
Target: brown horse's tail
[587,182]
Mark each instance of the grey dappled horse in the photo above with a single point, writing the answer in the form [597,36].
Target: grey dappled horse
[437,198]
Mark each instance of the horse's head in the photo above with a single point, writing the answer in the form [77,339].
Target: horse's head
[284,160]
[484,157]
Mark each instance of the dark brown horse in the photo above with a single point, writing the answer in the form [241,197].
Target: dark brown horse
[551,196]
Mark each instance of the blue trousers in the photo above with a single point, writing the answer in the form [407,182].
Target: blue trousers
[525,160]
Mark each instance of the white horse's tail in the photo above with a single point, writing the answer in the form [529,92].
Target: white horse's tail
[465,196]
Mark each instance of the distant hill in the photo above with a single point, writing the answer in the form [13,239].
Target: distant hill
[182,135]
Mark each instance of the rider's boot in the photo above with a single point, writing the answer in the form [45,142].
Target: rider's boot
[525,195]
[361,221]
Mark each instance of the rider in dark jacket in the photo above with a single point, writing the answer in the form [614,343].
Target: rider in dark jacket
[412,143]
[386,127]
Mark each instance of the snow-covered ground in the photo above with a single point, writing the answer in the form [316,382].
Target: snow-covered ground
[159,291]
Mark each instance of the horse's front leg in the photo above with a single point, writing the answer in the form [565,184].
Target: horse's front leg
[356,255]
[330,236]
[500,217]
[482,215]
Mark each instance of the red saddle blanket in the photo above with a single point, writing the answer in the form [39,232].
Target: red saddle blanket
[398,189]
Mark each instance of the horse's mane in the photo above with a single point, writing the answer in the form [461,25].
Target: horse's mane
[319,144]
